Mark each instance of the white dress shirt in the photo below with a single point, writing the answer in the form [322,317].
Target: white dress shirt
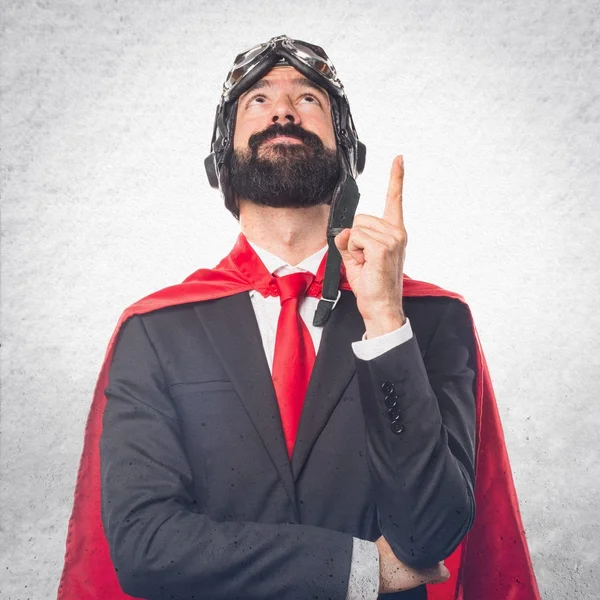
[364,571]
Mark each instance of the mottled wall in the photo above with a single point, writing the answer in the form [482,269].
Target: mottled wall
[107,117]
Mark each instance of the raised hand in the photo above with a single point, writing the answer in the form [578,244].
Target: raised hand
[373,253]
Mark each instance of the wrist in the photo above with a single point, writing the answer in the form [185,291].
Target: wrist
[384,323]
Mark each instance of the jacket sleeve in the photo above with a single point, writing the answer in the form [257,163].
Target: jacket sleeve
[420,426]
[160,544]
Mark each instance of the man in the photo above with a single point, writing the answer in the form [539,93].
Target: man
[249,451]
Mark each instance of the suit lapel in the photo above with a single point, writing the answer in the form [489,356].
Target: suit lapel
[231,326]
[333,369]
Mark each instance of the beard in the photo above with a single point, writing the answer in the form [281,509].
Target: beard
[284,175]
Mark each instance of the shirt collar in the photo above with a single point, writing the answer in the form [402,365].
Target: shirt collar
[278,266]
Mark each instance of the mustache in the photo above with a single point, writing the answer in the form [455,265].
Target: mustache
[312,140]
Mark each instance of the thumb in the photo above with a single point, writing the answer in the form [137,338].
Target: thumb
[350,257]
[341,242]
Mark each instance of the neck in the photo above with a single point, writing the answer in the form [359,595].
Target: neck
[293,234]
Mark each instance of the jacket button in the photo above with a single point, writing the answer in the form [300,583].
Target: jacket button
[387,387]
[397,427]
[393,414]
[391,400]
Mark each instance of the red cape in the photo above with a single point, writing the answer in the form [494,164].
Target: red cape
[492,562]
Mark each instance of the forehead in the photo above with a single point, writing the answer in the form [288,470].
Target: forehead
[284,77]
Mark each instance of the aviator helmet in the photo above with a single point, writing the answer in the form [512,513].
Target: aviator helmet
[255,63]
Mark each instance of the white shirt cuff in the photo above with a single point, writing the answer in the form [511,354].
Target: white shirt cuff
[364,571]
[368,349]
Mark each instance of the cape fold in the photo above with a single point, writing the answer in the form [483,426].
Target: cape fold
[491,563]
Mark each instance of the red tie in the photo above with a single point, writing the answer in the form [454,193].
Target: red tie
[294,354]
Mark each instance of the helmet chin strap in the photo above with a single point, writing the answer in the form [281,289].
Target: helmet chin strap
[341,216]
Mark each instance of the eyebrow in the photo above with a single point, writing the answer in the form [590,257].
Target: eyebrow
[301,81]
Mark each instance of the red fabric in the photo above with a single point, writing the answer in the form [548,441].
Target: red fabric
[492,562]
[294,354]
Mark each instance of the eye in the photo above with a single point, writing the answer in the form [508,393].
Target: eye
[311,98]
[257,99]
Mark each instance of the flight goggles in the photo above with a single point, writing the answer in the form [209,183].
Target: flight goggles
[253,64]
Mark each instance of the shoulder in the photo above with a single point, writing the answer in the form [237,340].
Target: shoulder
[430,302]
[431,309]
[437,317]
[177,300]
[158,323]
[174,322]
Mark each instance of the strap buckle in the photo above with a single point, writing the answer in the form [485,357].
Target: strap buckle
[339,294]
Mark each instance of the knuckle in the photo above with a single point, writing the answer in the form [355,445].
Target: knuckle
[394,244]
[381,250]
[402,237]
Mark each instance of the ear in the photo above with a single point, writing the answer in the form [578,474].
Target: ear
[211,171]
[361,157]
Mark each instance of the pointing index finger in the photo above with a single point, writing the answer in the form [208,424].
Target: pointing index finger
[392,213]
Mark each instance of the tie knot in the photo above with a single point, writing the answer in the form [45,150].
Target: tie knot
[294,285]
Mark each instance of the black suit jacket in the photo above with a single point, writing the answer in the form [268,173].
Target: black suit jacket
[199,498]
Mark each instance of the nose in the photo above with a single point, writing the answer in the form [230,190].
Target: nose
[284,112]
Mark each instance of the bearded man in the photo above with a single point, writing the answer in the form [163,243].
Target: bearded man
[304,420]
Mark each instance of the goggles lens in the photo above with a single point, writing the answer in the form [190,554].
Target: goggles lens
[243,64]
[309,54]
[313,56]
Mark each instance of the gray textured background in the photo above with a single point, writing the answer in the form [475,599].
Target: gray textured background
[107,116]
